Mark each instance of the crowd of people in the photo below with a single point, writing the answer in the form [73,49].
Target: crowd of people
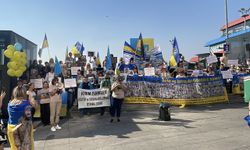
[91,75]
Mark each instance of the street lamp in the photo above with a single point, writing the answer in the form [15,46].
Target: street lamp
[244,14]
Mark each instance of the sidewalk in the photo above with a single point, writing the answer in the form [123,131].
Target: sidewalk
[206,127]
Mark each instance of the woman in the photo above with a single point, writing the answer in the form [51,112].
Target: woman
[16,109]
[118,89]
[31,96]
[50,75]
[55,105]
[44,103]
[23,134]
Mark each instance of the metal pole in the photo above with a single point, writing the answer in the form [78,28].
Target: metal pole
[226,19]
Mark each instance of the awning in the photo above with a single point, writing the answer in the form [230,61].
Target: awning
[223,38]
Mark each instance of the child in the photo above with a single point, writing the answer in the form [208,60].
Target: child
[23,133]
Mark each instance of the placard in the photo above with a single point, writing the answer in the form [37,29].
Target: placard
[74,70]
[91,54]
[70,83]
[211,59]
[226,74]
[37,82]
[149,71]
[233,62]
[93,98]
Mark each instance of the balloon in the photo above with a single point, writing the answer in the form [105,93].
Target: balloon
[23,55]
[18,46]
[74,51]
[11,47]
[18,73]
[12,65]
[8,53]
[23,61]
[17,56]
[11,72]
[22,68]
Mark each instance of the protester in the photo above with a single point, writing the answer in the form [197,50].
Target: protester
[209,71]
[44,103]
[23,134]
[16,109]
[50,75]
[181,73]
[51,63]
[55,105]
[118,89]
[31,96]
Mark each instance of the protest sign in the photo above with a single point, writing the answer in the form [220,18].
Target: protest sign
[227,74]
[149,71]
[69,83]
[74,70]
[211,59]
[37,82]
[233,62]
[93,98]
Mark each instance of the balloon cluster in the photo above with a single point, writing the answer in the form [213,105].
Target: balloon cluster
[16,65]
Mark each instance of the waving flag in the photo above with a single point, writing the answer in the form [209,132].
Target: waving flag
[98,61]
[57,68]
[82,49]
[45,42]
[129,52]
[108,61]
[140,47]
[176,51]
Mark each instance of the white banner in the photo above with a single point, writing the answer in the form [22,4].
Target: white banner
[233,62]
[37,82]
[212,59]
[149,71]
[70,83]
[74,70]
[93,98]
[226,74]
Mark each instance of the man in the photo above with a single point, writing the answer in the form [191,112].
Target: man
[41,69]
[121,65]
[69,60]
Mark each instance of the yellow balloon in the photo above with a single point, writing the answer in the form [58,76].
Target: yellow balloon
[11,72]
[23,55]
[18,73]
[74,51]
[11,47]
[8,53]
[13,65]
[22,68]
[9,65]
[23,61]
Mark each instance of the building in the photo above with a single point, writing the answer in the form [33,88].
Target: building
[238,39]
[8,83]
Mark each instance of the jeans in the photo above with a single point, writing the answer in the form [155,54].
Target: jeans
[116,105]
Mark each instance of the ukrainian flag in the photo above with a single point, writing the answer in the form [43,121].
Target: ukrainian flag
[172,61]
[129,50]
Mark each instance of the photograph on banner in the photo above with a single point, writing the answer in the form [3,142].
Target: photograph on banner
[70,83]
[38,83]
[74,70]
[188,88]
[233,62]
[212,59]
[93,98]
[227,74]
[149,71]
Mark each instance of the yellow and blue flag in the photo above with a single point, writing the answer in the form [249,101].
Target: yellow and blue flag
[176,51]
[45,42]
[140,47]
[98,61]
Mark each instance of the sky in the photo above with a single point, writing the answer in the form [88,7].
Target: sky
[102,23]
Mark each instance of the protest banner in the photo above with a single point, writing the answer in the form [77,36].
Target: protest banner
[70,83]
[227,74]
[38,83]
[93,98]
[233,62]
[211,59]
[149,71]
[177,91]
[74,70]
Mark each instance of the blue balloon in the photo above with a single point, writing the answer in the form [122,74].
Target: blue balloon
[18,46]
